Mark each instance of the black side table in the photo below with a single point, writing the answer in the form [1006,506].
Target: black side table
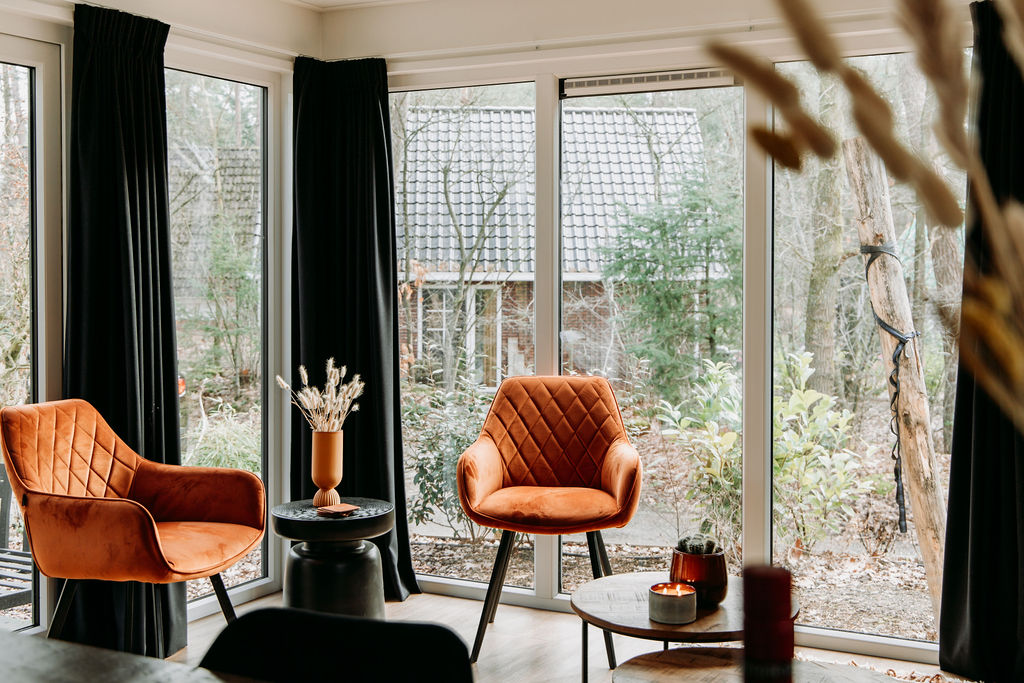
[334,569]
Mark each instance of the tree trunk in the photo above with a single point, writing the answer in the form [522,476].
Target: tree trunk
[947,262]
[823,284]
[918,292]
[889,297]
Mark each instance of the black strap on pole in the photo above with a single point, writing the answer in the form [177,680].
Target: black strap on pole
[894,377]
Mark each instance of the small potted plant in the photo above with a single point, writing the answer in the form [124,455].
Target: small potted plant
[698,559]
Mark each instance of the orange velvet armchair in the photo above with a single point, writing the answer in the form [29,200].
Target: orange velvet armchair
[552,458]
[95,509]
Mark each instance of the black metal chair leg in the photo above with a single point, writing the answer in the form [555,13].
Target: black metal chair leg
[606,565]
[222,597]
[60,615]
[493,589]
[595,555]
[599,566]
[501,578]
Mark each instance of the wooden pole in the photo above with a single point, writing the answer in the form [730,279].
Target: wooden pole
[888,290]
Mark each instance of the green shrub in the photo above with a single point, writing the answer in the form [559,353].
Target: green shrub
[437,432]
[815,477]
[710,442]
[226,438]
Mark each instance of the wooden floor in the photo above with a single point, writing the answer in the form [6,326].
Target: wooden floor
[523,644]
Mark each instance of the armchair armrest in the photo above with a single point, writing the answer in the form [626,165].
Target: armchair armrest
[479,472]
[173,493]
[621,474]
[78,537]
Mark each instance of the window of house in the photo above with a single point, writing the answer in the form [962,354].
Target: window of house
[835,518]
[652,234]
[217,180]
[17,329]
[464,178]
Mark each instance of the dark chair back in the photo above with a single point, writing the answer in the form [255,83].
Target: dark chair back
[285,644]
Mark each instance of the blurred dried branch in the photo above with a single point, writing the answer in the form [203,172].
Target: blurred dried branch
[992,326]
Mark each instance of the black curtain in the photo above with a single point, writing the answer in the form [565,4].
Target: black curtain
[119,346]
[344,283]
[981,628]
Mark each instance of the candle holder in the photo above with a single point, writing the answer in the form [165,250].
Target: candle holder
[672,603]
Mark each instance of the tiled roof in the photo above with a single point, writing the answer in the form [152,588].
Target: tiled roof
[475,166]
[210,187]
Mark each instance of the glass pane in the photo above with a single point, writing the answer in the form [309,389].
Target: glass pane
[652,234]
[835,514]
[464,183]
[16,583]
[215,160]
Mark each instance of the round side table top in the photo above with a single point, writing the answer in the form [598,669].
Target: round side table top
[725,665]
[299,521]
[618,603]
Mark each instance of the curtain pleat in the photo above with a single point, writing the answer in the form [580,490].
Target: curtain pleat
[119,347]
[981,627]
[344,281]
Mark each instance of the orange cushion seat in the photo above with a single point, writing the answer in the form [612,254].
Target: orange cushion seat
[202,548]
[564,509]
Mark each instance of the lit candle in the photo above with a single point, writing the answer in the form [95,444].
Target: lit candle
[672,603]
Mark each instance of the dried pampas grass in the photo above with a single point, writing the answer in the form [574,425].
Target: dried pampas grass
[326,410]
[781,147]
[805,132]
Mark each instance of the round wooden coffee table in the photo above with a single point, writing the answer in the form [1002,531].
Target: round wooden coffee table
[334,569]
[725,665]
[618,604]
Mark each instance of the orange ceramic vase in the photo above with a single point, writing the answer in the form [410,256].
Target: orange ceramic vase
[327,470]
[706,573]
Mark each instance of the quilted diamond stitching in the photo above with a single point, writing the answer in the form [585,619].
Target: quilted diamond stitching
[87,459]
[556,432]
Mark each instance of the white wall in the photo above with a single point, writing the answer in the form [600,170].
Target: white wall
[446,27]
[269,26]
[496,40]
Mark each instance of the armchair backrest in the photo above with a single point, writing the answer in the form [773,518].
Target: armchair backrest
[64,447]
[554,431]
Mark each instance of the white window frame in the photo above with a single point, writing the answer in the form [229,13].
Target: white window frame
[43,55]
[444,289]
[471,330]
[187,53]
[857,34]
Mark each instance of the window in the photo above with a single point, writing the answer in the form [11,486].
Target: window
[671,258]
[652,234]
[464,176]
[216,165]
[17,329]
[835,515]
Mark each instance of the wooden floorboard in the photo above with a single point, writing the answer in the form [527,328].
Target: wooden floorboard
[522,644]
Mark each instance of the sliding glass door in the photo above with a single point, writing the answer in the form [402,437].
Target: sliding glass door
[835,516]
[464,177]
[17,329]
[216,132]
[651,298]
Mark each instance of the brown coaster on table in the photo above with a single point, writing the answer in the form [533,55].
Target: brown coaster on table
[339,510]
